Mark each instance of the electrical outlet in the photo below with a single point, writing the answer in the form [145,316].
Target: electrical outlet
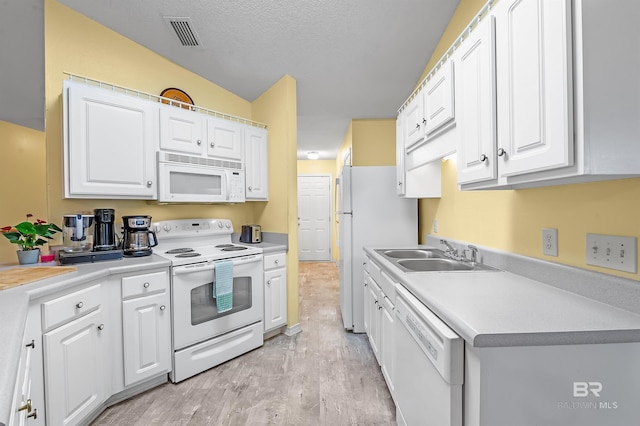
[550,241]
[614,252]
[435,226]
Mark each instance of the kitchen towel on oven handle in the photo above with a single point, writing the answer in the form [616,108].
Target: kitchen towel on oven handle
[223,285]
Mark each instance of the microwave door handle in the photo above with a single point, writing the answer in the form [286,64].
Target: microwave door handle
[227,183]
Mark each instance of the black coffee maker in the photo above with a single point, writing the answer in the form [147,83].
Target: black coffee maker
[104,233]
[138,239]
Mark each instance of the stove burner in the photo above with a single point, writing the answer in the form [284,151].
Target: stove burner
[180,250]
[233,248]
[188,254]
[224,245]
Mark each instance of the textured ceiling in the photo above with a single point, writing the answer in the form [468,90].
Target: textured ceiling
[350,58]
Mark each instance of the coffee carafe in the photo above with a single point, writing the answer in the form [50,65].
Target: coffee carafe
[138,239]
[77,232]
[104,234]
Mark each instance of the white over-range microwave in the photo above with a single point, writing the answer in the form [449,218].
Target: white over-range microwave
[189,179]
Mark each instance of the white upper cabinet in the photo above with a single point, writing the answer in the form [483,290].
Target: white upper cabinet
[414,121]
[534,86]
[475,100]
[181,130]
[256,163]
[565,112]
[110,140]
[438,99]
[224,139]
[400,170]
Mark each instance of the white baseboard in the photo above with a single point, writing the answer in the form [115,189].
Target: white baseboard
[293,330]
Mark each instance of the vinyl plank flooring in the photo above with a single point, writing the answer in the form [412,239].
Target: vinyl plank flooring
[322,376]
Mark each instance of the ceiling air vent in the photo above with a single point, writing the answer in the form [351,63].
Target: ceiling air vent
[183,28]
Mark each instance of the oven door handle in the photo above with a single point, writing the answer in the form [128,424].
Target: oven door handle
[210,266]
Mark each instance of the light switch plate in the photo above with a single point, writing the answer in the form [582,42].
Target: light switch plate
[614,252]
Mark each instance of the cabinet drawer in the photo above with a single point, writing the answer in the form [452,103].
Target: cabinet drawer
[277,260]
[387,285]
[374,271]
[139,285]
[57,311]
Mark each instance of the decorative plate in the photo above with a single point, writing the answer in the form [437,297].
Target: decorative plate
[178,95]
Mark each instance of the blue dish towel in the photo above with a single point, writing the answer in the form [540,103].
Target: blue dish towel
[223,285]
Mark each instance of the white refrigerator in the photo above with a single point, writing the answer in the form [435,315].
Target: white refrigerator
[369,213]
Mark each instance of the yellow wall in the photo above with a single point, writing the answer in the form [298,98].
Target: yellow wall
[323,167]
[513,220]
[22,180]
[277,107]
[374,142]
[76,44]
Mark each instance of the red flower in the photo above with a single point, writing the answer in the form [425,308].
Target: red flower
[29,215]
[40,221]
[6,229]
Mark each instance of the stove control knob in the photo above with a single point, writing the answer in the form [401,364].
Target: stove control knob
[227,224]
[167,228]
[157,228]
[220,225]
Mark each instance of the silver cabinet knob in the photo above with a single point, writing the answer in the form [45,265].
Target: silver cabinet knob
[149,183]
[199,142]
[213,144]
[79,305]
[101,327]
[483,158]
[417,125]
[379,307]
[501,152]
[250,188]
[276,261]
[269,282]
[145,285]
[163,307]
[424,121]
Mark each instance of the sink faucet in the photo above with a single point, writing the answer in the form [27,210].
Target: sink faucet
[452,252]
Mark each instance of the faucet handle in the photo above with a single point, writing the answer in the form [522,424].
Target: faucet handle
[474,253]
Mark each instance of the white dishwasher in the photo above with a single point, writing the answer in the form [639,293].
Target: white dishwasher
[429,366]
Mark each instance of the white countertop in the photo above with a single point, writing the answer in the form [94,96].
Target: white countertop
[489,309]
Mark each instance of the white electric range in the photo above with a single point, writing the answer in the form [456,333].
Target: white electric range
[203,337]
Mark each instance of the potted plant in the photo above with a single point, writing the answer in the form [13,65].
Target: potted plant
[29,236]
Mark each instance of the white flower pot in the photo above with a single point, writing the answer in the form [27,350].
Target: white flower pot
[26,257]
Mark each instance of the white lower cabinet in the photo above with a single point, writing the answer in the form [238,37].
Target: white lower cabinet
[75,373]
[275,291]
[379,318]
[146,326]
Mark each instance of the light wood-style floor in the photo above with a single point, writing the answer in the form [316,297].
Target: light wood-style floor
[322,376]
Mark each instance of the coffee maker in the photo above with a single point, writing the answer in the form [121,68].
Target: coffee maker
[138,239]
[104,235]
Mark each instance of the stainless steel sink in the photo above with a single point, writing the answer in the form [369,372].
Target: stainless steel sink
[413,253]
[440,265]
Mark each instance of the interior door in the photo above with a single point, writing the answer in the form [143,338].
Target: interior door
[314,209]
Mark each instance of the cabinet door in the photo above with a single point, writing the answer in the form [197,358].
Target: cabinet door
[414,121]
[275,298]
[110,144]
[534,85]
[387,342]
[374,318]
[147,337]
[256,163]
[224,139]
[476,104]
[438,98]
[400,154]
[75,371]
[181,130]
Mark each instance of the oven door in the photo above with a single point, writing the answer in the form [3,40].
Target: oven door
[195,315]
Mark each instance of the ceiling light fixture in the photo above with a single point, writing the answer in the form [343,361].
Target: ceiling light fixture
[313,155]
